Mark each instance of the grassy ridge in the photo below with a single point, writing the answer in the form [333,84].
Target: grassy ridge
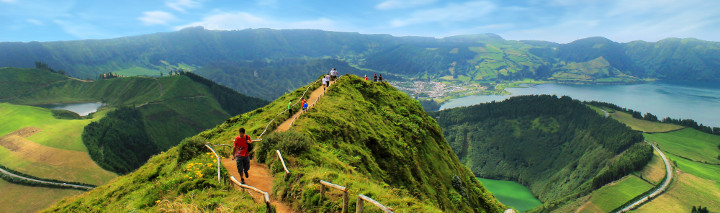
[643,125]
[689,143]
[614,195]
[336,146]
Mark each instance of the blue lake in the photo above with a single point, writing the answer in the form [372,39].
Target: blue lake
[81,109]
[697,101]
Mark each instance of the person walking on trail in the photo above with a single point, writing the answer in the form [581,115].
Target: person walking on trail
[333,74]
[328,79]
[290,108]
[326,82]
[380,78]
[302,103]
[366,78]
[375,78]
[240,154]
[304,107]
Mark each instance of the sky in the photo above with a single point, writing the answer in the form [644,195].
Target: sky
[559,21]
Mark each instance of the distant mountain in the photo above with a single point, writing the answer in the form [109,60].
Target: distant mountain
[557,147]
[152,114]
[482,57]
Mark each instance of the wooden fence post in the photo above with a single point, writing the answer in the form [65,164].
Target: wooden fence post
[322,193]
[359,208]
[345,202]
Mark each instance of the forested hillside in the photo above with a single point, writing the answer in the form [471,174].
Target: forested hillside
[366,136]
[221,55]
[153,114]
[558,147]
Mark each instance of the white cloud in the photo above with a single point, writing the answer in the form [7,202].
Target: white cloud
[35,22]
[399,4]
[450,13]
[80,29]
[243,20]
[183,5]
[156,17]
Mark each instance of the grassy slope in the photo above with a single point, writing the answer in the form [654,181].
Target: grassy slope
[512,194]
[643,125]
[33,198]
[654,172]
[689,143]
[614,195]
[697,184]
[57,151]
[344,159]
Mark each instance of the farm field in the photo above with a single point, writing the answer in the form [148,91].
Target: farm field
[643,125]
[33,198]
[614,195]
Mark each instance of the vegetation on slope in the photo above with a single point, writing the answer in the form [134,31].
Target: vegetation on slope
[166,110]
[558,147]
[366,136]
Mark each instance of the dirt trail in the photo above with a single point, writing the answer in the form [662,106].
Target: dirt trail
[259,175]
[311,102]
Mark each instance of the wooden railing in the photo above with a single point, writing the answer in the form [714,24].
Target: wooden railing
[218,160]
[287,172]
[338,187]
[361,205]
[265,195]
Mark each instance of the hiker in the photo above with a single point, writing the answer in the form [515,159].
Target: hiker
[325,82]
[302,103]
[333,74]
[328,79]
[366,78]
[375,78]
[304,107]
[240,154]
[290,108]
[380,78]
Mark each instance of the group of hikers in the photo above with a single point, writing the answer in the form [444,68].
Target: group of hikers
[243,143]
[375,78]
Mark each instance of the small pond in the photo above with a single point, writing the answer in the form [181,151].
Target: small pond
[82,109]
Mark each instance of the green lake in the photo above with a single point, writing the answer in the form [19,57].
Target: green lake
[511,193]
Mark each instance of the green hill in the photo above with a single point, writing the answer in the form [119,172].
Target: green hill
[160,111]
[366,136]
[557,147]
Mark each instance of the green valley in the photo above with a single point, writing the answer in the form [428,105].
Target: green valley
[557,147]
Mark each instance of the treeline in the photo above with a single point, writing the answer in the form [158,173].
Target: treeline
[556,146]
[650,117]
[230,100]
[119,141]
[45,66]
[633,159]
[21,181]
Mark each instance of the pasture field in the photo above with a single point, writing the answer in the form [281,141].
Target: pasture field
[654,171]
[511,193]
[643,125]
[614,195]
[689,143]
[20,198]
[32,141]
[684,192]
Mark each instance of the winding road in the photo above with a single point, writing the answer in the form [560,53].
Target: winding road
[665,183]
[45,182]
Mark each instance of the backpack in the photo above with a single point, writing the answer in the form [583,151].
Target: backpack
[250,145]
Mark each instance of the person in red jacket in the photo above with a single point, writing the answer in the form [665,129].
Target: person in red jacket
[240,154]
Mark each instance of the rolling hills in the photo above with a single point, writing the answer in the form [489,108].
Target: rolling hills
[557,147]
[367,136]
[167,109]
[220,55]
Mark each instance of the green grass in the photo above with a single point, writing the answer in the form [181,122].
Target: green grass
[20,198]
[611,196]
[643,125]
[710,172]
[689,143]
[512,194]
[654,171]
[136,71]
[684,192]
[56,133]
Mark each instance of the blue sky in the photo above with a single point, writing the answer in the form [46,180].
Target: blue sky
[551,20]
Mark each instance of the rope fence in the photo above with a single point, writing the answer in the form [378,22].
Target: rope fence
[338,187]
